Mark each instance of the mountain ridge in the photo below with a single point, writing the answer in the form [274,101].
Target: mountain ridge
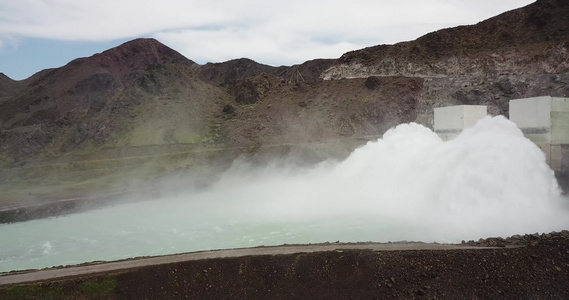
[143,98]
[540,22]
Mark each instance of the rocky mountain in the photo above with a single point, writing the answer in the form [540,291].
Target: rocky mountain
[519,53]
[144,104]
[8,87]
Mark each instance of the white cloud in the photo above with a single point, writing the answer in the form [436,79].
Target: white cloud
[275,32]
[8,43]
[275,49]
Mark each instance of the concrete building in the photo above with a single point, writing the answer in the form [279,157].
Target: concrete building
[545,121]
[451,120]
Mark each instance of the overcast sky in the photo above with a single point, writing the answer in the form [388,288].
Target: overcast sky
[40,34]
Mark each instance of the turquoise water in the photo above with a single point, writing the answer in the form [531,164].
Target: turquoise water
[410,185]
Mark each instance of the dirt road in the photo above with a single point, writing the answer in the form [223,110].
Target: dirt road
[54,273]
[531,266]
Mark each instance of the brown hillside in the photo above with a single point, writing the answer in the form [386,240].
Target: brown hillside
[226,73]
[141,104]
[75,95]
[543,22]
[520,53]
[8,87]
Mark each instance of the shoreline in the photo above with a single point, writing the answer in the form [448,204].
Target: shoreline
[530,266]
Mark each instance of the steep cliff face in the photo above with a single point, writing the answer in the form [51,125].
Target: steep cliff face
[533,39]
[520,53]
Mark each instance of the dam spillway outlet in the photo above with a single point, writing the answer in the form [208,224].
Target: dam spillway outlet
[545,121]
[410,185]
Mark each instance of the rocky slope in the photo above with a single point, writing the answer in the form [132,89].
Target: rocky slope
[142,110]
[517,54]
[8,87]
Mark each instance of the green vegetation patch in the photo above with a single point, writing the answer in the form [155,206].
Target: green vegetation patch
[17,292]
[90,289]
[104,287]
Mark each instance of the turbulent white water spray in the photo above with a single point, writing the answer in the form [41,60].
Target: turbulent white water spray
[409,185]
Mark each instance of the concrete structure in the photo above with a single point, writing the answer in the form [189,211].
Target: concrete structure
[451,120]
[545,121]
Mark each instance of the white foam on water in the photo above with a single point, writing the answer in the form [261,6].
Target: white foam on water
[409,185]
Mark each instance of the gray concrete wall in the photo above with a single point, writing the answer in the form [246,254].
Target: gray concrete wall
[560,121]
[451,120]
[545,121]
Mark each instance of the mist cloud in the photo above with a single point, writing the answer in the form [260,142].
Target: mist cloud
[490,181]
